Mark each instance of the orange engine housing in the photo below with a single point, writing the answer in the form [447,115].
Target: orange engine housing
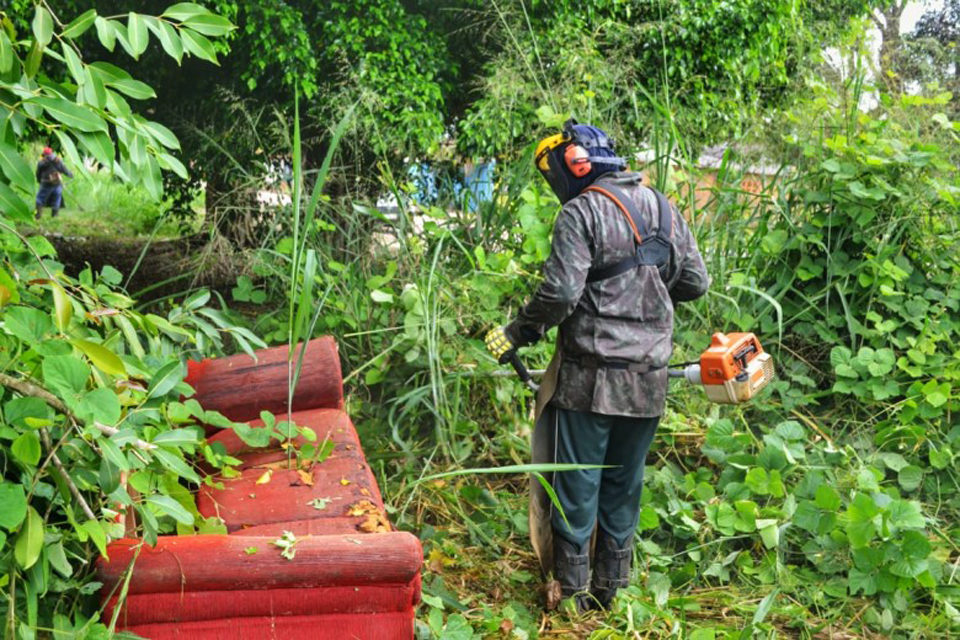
[735,368]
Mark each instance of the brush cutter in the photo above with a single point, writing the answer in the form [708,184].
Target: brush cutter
[732,370]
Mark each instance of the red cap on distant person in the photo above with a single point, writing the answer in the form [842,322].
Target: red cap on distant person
[47,151]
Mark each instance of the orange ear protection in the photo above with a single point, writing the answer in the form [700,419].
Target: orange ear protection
[577,160]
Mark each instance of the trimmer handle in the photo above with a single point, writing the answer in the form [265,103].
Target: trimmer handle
[514,359]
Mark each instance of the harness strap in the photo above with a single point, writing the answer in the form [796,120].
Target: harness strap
[627,206]
[641,234]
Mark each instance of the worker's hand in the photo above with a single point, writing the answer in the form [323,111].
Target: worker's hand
[498,344]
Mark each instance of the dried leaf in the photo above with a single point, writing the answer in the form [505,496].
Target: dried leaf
[320,503]
[344,481]
[265,478]
[305,477]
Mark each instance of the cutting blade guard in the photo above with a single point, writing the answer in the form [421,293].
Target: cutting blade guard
[735,368]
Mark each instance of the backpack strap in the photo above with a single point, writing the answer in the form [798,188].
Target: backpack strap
[641,233]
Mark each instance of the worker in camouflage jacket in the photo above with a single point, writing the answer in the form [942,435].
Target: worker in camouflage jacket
[622,257]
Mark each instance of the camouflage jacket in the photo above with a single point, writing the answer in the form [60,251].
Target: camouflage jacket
[627,318]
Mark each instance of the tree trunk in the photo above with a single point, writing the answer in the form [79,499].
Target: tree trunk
[888,21]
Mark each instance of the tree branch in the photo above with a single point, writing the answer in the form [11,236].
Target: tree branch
[87,511]
[876,21]
[26,387]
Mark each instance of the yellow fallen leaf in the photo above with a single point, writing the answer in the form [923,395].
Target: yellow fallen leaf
[305,477]
[265,478]
[344,481]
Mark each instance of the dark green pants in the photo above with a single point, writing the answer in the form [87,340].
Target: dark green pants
[610,496]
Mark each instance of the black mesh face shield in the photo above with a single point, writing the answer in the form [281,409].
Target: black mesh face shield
[559,178]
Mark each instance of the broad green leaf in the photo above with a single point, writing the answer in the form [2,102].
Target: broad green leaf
[113,453]
[840,355]
[109,476]
[63,307]
[153,179]
[71,114]
[791,430]
[907,567]
[65,375]
[16,168]
[860,526]
[9,293]
[28,324]
[170,507]
[165,379]
[30,540]
[6,52]
[101,405]
[32,63]
[134,88]
[865,581]
[161,134]
[58,559]
[12,205]
[108,72]
[199,46]
[910,477]
[209,24]
[774,241]
[746,518]
[758,481]
[807,517]
[123,37]
[97,535]
[80,24]
[893,461]
[914,544]
[827,498]
[170,163]
[137,34]
[42,25]
[184,11]
[175,464]
[26,448]
[69,148]
[17,411]
[108,38]
[99,145]
[94,92]
[13,505]
[167,35]
[74,64]
[176,437]
[770,534]
[102,358]
[648,518]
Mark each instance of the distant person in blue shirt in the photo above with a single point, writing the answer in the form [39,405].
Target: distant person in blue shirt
[50,172]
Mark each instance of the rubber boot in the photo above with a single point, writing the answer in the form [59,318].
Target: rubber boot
[55,212]
[611,567]
[571,568]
